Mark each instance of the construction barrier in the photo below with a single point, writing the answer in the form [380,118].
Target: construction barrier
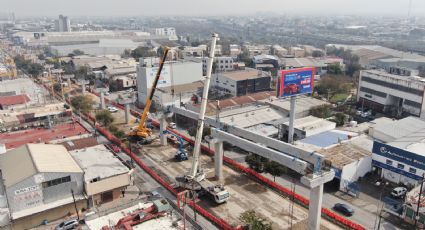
[331,216]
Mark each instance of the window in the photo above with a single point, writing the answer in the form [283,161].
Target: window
[412,170]
[400,166]
[389,162]
[374,92]
[54,182]
[412,103]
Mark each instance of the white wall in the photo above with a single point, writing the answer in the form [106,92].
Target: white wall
[222,81]
[352,172]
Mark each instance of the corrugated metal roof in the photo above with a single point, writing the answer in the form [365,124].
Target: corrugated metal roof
[30,159]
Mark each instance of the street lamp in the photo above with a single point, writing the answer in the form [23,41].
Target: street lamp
[379,210]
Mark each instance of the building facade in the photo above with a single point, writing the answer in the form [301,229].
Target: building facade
[391,93]
[173,73]
[242,82]
[221,64]
[46,182]
[63,24]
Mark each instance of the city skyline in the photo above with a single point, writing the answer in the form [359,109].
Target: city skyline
[208,8]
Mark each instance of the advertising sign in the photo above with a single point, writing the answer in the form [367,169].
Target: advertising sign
[297,81]
[399,155]
[164,79]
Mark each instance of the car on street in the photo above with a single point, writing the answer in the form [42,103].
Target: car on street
[399,192]
[344,209]
[112,109]
[69,224]
[172,125]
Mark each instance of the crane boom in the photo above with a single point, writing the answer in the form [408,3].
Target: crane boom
[200,128]
[141,130]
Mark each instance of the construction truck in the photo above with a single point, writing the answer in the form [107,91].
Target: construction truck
[142,133]
[181,154]
[196,180]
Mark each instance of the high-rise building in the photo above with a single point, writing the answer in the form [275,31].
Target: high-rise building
[63,24]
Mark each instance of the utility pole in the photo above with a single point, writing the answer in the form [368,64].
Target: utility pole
[419,201]
[75,204]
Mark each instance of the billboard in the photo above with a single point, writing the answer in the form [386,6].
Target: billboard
[296,81]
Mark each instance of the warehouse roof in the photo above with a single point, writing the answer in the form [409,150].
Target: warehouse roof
[310,123]
[33,159]
[98,162]
[409,129]
[302,104]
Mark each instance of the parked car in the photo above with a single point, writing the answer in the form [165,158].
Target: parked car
[344,209]
[112,109]
[69,224]
[399,192]
[172,125]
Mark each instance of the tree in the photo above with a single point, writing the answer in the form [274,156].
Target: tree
[275,169]
[82,72]
[256,162]
[82,103]
[334,68]
[255,222]
[57,87]
[41,56]
[126,53]
[77,52]
[142,51]
[160,51]
[322,111]
[205,132]
[340,119]
[105,117]
[317,53]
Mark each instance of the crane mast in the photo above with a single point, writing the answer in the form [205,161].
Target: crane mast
[142,131]
[195,161]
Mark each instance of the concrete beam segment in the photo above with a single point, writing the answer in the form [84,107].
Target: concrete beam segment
[127,113]
[291,162]
[311,157]
[218,159]
[83,84]
[162,128]
[318,179]
[315,208]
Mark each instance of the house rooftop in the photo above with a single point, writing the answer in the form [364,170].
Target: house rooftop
[247,73]
[98,162]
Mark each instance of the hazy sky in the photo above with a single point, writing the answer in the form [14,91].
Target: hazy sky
[208,7]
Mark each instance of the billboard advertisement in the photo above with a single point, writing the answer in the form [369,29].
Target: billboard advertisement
[297,81]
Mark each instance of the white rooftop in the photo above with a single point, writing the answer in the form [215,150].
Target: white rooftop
[98,162]
[250,115]
[310,123]
[302,104]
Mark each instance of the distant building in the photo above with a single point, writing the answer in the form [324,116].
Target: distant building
[105,177]
[279,51]
[235,50]
[308,126]
[297,52]
[12,102]
[392,93]
[242,82]
[43,186]
[63,24]
[222,64]
[173,73]
[266,62]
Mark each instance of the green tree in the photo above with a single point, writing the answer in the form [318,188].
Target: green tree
[334,68]
[275,169]
[82,72]
[254,221]
[82,103]
[126,53]
[77,52]
[160,51]
[57,87]
[105,117]
[317,53]
[205,132]
[322,111]
[256,162]
[142,51]
[340,119]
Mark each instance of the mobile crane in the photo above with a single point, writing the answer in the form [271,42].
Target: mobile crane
[196,177]
[142,132]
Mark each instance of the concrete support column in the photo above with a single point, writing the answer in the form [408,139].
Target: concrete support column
[162,128]
[315,207]
[102,100]
[69,81]
[218,159]
[291,121]
[127,113]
